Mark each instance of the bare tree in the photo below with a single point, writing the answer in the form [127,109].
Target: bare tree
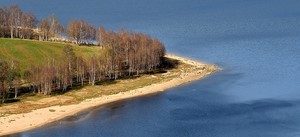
[44,30]
[17,84]
[56,29]
[81,32]
[4,69]
[70,63]
[74,31]
[92,62]
[16,24]
[28,24]
[14,20]
[80,70]
[2,22]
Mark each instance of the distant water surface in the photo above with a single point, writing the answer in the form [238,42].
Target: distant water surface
[256,42]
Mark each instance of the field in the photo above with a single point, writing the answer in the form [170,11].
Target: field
[28,52]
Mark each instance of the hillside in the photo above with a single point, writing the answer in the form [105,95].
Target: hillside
[28,52]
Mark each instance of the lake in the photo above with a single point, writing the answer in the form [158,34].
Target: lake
[256,43]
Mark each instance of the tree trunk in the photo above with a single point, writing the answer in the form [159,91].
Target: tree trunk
[11,32]
[16,89]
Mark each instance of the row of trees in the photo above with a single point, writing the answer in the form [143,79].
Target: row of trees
[123,54]
[15,23]
[133,52]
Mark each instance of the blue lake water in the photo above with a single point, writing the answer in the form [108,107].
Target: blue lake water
[257,43]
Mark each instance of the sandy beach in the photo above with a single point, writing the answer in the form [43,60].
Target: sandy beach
[21,122]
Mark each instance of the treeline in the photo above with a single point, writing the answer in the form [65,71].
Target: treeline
[123,54]
[133,52]
[15,23]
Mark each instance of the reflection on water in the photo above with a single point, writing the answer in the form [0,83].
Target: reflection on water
[76,118]
[115,107]
[255,42]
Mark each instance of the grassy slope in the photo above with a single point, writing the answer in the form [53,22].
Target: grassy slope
[27,52]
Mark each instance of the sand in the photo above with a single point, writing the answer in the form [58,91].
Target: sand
[21,122]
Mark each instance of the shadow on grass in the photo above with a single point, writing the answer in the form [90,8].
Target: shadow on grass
[168,63]
[12,100]
[105,82]
[78,86]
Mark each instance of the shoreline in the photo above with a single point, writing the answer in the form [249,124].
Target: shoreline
[16,123]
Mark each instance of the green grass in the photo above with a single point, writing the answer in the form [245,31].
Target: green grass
[28,52]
